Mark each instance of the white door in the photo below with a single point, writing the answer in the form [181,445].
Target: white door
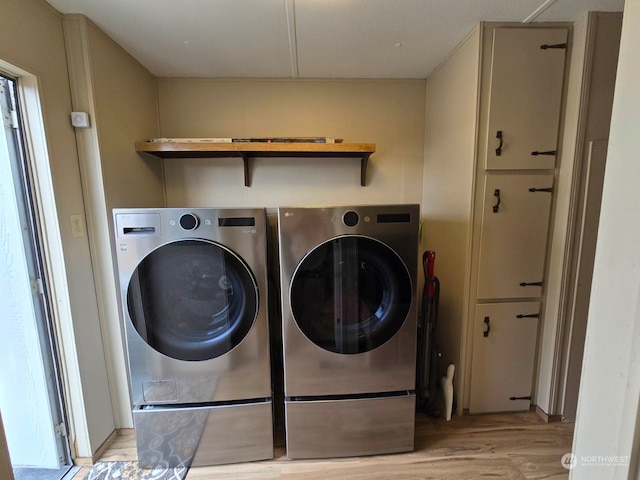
[515,222]
[504,346]
[527,71]
[29,386]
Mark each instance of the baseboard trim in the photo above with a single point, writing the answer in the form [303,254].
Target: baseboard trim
[532,409]
[546,417]
[90,461]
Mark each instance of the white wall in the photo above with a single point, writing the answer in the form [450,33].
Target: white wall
[448,184]
[389,113]
[607,419]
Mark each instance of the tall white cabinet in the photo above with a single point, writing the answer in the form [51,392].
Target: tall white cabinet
[500,80]
[521,93]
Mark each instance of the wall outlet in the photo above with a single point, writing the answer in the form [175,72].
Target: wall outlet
[77,226]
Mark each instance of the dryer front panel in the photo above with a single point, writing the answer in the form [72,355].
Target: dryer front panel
[350,295]
[192,300]
[349,309]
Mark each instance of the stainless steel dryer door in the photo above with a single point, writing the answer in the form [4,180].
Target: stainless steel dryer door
[192,300]
[350,295]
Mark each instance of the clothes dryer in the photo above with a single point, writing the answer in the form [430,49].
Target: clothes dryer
[194,295]
[348,286]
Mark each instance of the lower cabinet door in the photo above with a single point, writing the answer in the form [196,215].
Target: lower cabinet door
[504,350]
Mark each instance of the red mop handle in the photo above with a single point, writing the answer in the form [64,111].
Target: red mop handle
[429,277]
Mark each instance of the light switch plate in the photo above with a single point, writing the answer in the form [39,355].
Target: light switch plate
[77,226]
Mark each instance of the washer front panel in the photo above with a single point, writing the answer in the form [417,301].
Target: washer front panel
[192,300]
[193,289]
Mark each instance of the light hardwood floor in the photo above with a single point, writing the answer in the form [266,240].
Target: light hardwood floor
[510,446]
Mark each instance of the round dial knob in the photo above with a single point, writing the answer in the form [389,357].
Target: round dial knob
[189,221]
[351,219]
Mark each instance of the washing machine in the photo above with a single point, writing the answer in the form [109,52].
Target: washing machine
[348,287]
[194,293]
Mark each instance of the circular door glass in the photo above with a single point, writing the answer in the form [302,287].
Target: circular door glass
[192,300]
[350,294]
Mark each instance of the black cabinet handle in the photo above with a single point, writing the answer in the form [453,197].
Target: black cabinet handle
[487,322]
[531,315]
[532,284]
[557,45]
[499,137]
[520,398]
[547,152]
[496,194]
[534,190]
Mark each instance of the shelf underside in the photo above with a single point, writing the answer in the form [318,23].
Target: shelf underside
[248,150]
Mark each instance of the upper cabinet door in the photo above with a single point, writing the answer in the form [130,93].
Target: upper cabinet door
[527,72]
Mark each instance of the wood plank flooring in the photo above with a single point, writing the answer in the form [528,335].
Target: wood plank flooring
[509,446]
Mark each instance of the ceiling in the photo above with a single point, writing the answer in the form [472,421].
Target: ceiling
[306,38]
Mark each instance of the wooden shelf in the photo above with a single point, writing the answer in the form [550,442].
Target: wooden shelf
[247,150]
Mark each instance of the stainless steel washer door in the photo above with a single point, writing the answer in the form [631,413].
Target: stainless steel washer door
[350,294]
[192,300]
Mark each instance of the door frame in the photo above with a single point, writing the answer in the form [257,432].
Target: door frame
[38,163]
[592,54]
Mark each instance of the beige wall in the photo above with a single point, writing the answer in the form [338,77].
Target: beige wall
[31,38]
[120,97]
[388,113]
[385,112]
[103,172]
[448,183]
[126,109]
[126,112]
[6,472]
